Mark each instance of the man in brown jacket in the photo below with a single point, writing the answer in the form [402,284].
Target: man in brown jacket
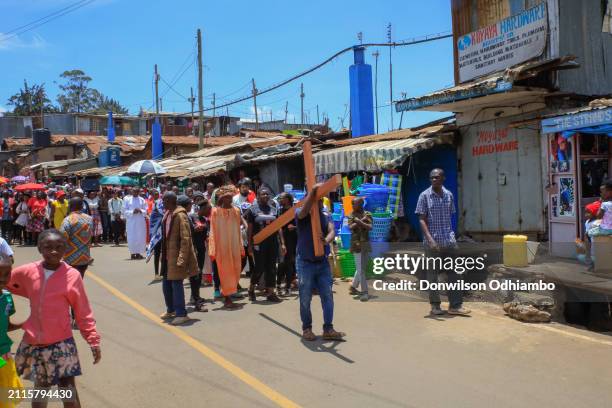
[179,260]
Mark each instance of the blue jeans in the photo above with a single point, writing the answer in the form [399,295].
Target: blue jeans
[174,296]
[315,275]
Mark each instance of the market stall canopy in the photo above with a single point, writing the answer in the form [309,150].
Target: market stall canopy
[20,179]
[374,156]
[30,186]
[118,181]
[146,167]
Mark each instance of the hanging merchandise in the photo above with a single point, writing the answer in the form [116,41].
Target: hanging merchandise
[394,182]
[356,183]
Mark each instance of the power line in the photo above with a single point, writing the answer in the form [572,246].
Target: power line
[44,20]
[416,40]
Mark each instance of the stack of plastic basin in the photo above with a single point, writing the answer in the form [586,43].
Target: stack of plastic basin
[347,263]
[376,197]
[345,237]
[381,225]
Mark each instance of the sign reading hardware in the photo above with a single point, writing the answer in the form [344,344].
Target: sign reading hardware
[503,44]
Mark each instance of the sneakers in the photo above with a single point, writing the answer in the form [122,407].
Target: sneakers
[179,320]
[436,311]
[353,291]
[287,292]
[157,278]
[217,294]
[167,316]
[460,311]
[365,297]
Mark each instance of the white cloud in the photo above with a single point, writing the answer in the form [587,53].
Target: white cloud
[2,110]
[11,43]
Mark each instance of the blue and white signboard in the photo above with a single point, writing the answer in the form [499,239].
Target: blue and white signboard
[506,43]
[589,119]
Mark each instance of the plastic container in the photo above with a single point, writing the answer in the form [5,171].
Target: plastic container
[337,218]
[515,250]
[376,195]
[114,156]
[338,208]
[298,194]
[345,237]
[381,225]
[347,204]
[287,188]
[347,263]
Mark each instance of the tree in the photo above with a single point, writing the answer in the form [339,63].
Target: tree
[105,104]
[30,100]
[77,96]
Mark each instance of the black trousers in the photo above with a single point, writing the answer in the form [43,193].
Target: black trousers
[251,261]
[7,229]
[116,228]
[18,233]
[216,280]
[286,270]
[195,282]
[156,256]
[265,263]
[106,225]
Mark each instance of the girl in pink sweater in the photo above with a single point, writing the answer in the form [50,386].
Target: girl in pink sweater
[47,354]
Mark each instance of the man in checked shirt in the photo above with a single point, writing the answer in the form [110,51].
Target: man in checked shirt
[435,209]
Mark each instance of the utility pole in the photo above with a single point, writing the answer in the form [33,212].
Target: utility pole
[286,110]
[161,104]
[375,54]
[318,121]
[255,104]
[302,102]
[156,91]
[213,104]
[270,115]
[390,76]
[200,94]
[192,101]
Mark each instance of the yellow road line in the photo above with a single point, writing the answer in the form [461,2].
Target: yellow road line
[233,369]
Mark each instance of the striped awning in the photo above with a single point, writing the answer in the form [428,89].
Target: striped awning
[371,157]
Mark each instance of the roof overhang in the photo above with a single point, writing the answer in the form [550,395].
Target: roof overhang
[497,88]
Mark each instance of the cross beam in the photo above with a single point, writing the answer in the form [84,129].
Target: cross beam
[330,185]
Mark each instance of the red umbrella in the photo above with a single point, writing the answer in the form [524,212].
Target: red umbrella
[4,180]
[29,186]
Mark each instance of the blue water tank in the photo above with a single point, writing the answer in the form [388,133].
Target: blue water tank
[114,156]
[103,158]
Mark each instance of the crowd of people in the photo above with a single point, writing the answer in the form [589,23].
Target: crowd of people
[189,236]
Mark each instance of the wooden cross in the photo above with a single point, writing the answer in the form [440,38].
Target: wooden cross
[330,185]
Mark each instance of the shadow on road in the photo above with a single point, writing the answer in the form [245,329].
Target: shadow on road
[317,345]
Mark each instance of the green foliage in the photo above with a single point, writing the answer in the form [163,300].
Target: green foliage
[76,94]
[30,100]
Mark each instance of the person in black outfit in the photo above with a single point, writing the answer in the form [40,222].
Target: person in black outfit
[199,230]
[259,215]
[286,268]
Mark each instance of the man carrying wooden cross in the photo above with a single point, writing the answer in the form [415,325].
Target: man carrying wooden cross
[314,271]
[314,238]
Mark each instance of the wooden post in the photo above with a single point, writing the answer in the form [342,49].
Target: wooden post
[315,219]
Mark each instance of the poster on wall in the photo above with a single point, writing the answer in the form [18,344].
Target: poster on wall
[501,45]
[567,197]
[560,154]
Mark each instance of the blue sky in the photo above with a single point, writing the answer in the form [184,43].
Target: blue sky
[117,42]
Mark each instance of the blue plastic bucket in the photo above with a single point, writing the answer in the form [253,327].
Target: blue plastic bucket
[346,239]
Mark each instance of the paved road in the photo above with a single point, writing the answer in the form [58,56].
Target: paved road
[393,357]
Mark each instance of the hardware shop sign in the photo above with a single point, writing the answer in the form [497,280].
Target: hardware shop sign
[506,43]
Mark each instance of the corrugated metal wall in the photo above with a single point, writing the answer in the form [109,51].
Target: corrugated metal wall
[580,34]
[60,124]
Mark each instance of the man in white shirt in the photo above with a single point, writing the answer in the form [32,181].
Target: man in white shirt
[115,210]
[135,210]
